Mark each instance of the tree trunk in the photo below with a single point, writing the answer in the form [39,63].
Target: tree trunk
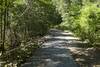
[1,28]
[4,26]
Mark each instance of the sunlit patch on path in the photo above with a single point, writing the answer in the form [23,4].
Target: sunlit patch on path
[54,52]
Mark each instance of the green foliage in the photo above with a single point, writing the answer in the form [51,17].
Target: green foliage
[19,55]
[24,21]
[87,23]
[27,19]
[81,17]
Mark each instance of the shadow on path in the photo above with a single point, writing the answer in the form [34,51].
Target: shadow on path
[54,52]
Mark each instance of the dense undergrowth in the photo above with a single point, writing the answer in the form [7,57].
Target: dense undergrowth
[82,18]
[21,54]
[22,24]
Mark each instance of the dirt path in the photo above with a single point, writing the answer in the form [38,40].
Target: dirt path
[54,52]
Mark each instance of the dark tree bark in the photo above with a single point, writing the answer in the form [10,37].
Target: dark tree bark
[1,18]
[4,25]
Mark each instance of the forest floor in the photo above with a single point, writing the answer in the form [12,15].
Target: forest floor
[86,57]
[63,49]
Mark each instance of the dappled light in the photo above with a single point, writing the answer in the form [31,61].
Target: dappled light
[49,33]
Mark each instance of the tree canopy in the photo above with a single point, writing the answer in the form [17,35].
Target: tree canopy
[24,22]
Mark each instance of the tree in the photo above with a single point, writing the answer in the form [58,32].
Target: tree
[81,17]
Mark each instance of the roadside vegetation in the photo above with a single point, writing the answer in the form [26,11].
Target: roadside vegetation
[81,17]
[23,23]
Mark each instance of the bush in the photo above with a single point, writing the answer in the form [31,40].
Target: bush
[87,23]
